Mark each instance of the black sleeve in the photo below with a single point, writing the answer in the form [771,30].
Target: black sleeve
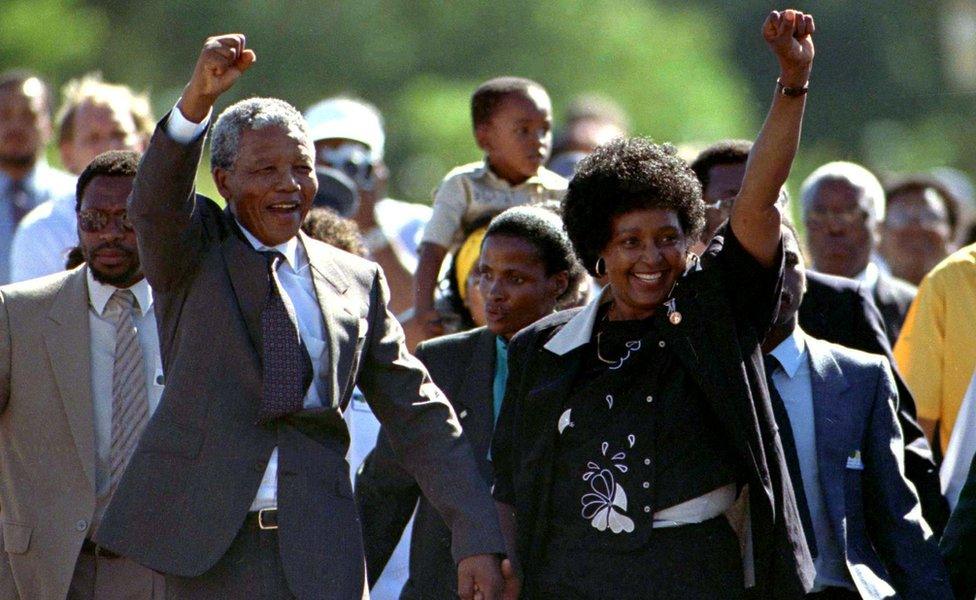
[753,290]
[959,542]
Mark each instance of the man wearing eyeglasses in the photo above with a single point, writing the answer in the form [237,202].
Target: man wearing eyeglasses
[80,374]
[842,205]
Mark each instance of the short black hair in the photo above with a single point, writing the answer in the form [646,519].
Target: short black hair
[541,226]
[114,163]
[724,152]
[622,176]
[920,184]
[325,225]
[490,94]
[17,78]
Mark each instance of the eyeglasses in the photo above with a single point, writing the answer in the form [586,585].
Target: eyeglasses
[820,219]
[916,215]
[93,221]
[352,159]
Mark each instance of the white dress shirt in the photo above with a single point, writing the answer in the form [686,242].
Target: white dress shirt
[792,381]
[102,327]
[43,239]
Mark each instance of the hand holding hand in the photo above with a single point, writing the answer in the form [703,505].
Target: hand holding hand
[480,578]
[222,61]
[790,36]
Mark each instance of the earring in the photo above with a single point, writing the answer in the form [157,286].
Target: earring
[600,268]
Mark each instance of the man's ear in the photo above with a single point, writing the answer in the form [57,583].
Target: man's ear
[220,177]
[558,284]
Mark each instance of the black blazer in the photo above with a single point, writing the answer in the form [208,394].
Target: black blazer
[841,310]
[959,542]
[718,341]
[463,366]
[894,297]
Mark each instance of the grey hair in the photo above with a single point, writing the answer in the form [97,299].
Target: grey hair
[253,113]
[872,198]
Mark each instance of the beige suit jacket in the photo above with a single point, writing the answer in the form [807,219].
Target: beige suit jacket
[47,438]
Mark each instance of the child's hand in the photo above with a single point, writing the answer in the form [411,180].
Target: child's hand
[790,36]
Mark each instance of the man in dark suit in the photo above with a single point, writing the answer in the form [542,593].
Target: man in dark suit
[959,541]
[239,487]
[838,310]
[527,266]
[843,205]
[835,411]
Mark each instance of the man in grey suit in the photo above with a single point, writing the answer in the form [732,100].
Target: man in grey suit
[79,359]
[835,410]
[239,488]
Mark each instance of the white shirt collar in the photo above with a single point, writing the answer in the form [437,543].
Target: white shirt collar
[99,294]
[578,330]
[869,276]
[288,249]
[791,352]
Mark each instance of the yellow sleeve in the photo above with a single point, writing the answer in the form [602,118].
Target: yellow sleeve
[920,347]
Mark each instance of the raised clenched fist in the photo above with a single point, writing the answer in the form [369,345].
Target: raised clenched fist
[790,36]
[222,61]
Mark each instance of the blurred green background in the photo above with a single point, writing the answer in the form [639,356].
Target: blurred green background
[893,83]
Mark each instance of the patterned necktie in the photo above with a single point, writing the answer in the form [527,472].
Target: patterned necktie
[789,449]
[287,368]
[130,402]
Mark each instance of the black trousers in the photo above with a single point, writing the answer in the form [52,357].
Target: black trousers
[250,569]
[693,562]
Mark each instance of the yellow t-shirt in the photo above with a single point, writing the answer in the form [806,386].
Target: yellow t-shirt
[936,351]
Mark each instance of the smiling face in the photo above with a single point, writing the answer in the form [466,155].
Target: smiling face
[646,254]
[98,128]
[272,183]
[107,239]
[516,290]
[518,137]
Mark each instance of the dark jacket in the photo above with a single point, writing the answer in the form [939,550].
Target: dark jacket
[841,311]
[959,541]
[463,367]
[718,341]
[188,488]
[893,297]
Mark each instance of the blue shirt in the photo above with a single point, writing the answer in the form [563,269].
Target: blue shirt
[501,374]
[792,381]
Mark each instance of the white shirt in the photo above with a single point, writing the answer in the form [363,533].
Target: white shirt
[102,327]
[792,381]
[43,239]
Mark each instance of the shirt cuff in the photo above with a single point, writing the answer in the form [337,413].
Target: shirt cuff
[183,130]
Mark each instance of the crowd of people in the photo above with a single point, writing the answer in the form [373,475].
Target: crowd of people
[595,367]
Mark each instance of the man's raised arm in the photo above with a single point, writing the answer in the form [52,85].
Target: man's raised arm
[755,215]
[163,205]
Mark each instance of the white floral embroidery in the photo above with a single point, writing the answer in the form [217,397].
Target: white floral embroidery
[632,347]
[599,506]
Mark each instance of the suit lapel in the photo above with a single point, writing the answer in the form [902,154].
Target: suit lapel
[67,337]
[476,389]
[248,275]
[330,285]
[832,433]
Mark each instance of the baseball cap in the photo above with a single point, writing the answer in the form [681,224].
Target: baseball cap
[348,119]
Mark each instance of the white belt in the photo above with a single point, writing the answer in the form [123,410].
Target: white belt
[697,510]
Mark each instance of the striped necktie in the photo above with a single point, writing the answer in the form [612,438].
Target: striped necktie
[130,402]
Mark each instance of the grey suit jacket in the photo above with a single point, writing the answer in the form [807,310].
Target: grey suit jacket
[463,366]
[873,509]
[47,433]
[191,481]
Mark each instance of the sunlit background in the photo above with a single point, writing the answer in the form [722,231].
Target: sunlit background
[893,84]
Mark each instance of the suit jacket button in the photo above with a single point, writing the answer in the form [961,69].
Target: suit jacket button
[81,525]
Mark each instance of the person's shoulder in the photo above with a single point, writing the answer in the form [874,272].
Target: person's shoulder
[552,180]
[472,170]
[39,288]
[849,360]
[840,285]
[453,342]
[540,332]
[960,264]
[57,182]
[899,288]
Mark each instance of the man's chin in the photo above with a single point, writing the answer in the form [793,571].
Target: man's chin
[114,277]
